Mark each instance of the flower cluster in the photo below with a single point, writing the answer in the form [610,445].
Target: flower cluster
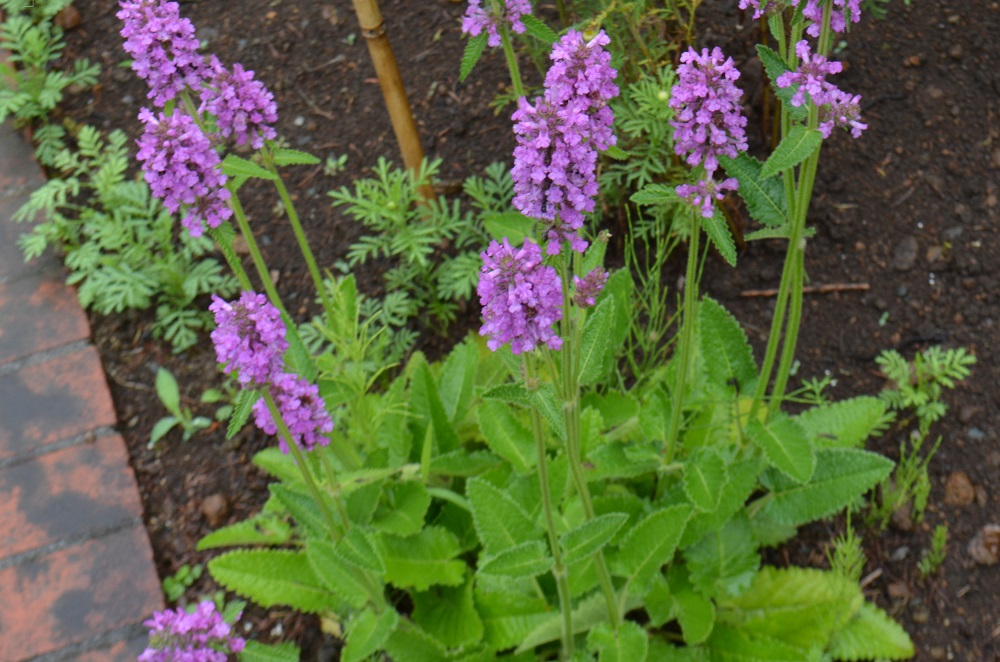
[521,298]
[837,108]
[182,168]
[478,18]
[842,12]
[704,194]
[588,287]
[243,107]
[201,636]
[250,338]
[163,47]
[558,139]
[844,111]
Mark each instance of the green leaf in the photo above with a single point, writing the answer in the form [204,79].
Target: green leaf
[244,407]
[725,561]
[786,446]
[629,643]
[547,403]
[300,505]
[404,513]
[422,560]
[846,423]
[508,617]
[794,148]
[595,348]
[262,529]
[841,476]
[411,644]
[651,544]
[539,30]
[449,615]
[871,634]
[336,574]
[286,156]
[460,463]
[741,484]
[617,153]
[367,632]
[278,464]
[512,393]
[169,394]
[500,522]
[254,651]
[724,347]
[720,235]
[272,577]
[426,407]
[619,287]
[506,436]
[455,386]
[704,476]
[528,559]
[591,536]
[356,548]
[160,428]
[473,51]
[765,198]
[655,194]
[235,166]
[587,614]
[775,66]
[729,644]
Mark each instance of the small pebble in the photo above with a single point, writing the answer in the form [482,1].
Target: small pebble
[975,434]
[958,489]
[984,548]
[215,508]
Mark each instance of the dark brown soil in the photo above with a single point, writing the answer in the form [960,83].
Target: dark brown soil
[910,210]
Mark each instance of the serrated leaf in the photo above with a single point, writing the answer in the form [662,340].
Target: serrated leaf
[241,412]
[277,464]
[255,651]
[765,198]
[528,559]
[357,548]
[841,476]
[655,194]
[500,522]
[367,632]
[845,423]
[629,643]
[651,544]
[775,66]
[506,436]
[448,614]
[704,476]
[724,347]
[508,617]
[741,484]
[539,30]
[591,536]
[588,613]
[422,560]
[728,644]
[510,225]
[286,156]
[694,612]
[547,403]
[619,287]
[460,463]
[342,578]
[300,505]
[718,232]
[272,577]
[595,346]
[411,644]
[426,407]
[786,446]
[235,166]
[403,514]
[512,393]
[800,143]
[871,634]
[455,385]
[617,153]
[473,51]
[725,561]
[263,529]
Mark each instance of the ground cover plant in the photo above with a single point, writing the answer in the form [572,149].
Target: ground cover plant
[595,403]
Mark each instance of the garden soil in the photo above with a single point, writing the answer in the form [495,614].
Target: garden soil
[906,246]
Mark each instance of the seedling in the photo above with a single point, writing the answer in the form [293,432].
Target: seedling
[174,586]
[170,396]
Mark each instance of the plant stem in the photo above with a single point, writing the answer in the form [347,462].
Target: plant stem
[232,259]
[515,71]
[255,254]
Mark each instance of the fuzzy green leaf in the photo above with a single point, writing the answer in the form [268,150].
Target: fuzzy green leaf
[448,614]
[528,559]
[587,614]
[841,476]
[547,402]
[426,407]
[539,30]
[741,484]
[871,634]
[510,225]
[473,51]
[704,475]
[728,644]
[619,287]
[235,166]
[617,153]
[286,156]
[279,465]
[651,544]
[272,577]
[629,643]
[655,194]
[241,412]
[367,632]
[724,347]
[263,529]
[718,232]
[342,578]
[300,504]
[775,66]
[591,536]
[512,393]
[411,644]
[695,614]
[595,348]
[506,436]
[422,560]
[460,463]
[404,513]
[500,522]
[356,548]
[786,446]
[725,561]
[794,148]
[509,617]
[765,198]
[846,423]
[455,386]
[255,651]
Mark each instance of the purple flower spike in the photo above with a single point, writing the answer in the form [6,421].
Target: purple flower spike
[589,287]
[163,46]
[704,194]
[201,636]
[844,111]
[810,76]
[709,120]
[843,11]
[250,338]
[242,106]
[182,168]
[521,298]
[478,18]
[302,409]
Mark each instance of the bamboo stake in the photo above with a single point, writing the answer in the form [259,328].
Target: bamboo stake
[387,70]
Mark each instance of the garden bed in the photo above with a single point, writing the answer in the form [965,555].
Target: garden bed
[905,219]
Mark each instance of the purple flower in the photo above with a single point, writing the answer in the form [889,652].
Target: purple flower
[182,168]
[709,120]
[843,10]
[163,46]
[242,106]
[302,409]
[521,298]
[761,8]
[250,338]
[844,111]
[558,139]
[589,287]
[200,636]
[478,18]
[705,193]
[810,76]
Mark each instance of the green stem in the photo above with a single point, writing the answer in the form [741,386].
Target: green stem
[231,259]
[684,348]
[561,7]
[515,71]
[255,254]
[331,478]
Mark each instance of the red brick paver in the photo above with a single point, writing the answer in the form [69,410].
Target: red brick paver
[76,569]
